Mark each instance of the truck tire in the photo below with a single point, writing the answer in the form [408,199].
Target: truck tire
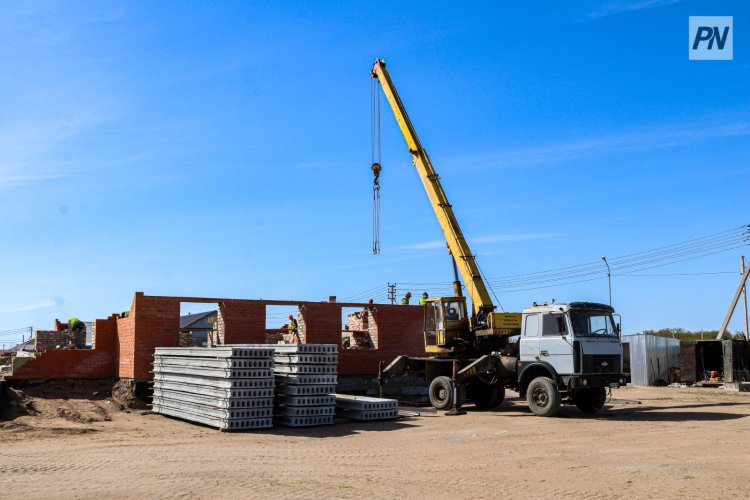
[500,396]
[441,393]
[543,397]
[482,395]
[590,400]
[485,396]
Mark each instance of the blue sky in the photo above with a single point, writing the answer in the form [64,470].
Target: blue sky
[222,149]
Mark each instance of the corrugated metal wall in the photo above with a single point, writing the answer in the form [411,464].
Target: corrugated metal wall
[651,357]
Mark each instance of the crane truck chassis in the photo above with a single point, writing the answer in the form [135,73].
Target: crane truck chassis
[565,354]
[549,353]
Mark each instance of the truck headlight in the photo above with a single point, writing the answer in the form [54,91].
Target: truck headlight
[585,382]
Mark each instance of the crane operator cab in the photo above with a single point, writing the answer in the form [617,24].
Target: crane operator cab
[445,323]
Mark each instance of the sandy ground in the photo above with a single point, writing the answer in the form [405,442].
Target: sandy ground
[678,443]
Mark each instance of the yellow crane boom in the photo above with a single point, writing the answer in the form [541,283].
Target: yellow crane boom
[457,245]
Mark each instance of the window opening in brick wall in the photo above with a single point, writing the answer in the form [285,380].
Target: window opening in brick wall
[200,324]
[278,324]
[358,329]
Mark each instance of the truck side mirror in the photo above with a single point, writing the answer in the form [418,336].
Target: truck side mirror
[561,325]
[618,328]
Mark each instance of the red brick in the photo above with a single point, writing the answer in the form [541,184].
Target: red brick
[124,347]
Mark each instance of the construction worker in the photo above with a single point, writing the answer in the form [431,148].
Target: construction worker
[423,299]
[294,330]
[75,324]
[366,310]
[405,300]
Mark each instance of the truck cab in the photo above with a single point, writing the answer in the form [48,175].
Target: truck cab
[576,348]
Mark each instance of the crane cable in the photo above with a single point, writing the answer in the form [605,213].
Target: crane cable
[375,156]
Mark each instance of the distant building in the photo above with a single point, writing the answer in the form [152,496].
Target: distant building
[27,346]
[194,328]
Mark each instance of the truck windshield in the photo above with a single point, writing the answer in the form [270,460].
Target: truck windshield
[592,323]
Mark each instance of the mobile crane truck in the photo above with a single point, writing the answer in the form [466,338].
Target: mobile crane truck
[551,353]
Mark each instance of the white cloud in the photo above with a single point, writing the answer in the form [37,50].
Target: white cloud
[631,142]
[480,240]
[24,180]
[613,8]
[28,307]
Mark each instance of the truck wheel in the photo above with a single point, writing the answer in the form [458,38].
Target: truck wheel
[441,393]
[590,400]
[482,395]
[543,397]
[500,396]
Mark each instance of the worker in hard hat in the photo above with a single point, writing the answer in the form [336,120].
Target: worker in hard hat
[294,330]
[423,299]
[405,300]
[367,308]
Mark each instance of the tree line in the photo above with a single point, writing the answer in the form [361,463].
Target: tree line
[692,336]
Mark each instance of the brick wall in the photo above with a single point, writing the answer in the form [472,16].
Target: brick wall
[157,324]
[301,328]
[244,321]
[98,362]
[124,347]
[75,363]
[217,334]
[322,322]
[45,340]
[398,330]
[364,332]
[125,344]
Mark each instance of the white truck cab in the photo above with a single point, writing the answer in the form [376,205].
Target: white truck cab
[573,347]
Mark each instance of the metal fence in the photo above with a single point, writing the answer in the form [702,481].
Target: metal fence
[651,358]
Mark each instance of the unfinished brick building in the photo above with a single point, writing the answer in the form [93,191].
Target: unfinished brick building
[123,347]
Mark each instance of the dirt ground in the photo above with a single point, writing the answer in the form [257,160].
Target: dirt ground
[677,443]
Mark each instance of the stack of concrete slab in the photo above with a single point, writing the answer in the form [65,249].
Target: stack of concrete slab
[366,408]
[306,376]
[228,387]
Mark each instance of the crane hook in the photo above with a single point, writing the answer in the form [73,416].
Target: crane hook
[376,168]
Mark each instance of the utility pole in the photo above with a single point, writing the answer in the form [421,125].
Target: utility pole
[609,279]
[392,292]
[733,304]
[744,296]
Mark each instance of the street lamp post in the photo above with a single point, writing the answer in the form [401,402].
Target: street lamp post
[609,279]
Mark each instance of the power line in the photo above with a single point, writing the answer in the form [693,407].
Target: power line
[642,267]
[365,293]
[599,275]
[24,329]
[619,263]
[743,230]
[627,265]
[627,275]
